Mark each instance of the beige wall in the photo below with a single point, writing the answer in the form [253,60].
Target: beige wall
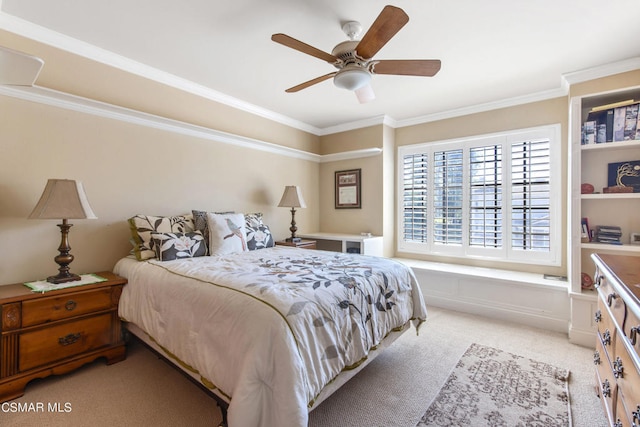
[370,217]
[618,81]
[126,169]
[130,169]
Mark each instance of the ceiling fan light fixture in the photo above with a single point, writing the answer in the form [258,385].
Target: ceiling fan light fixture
[352,78]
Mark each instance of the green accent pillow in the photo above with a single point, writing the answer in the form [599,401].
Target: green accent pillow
[142,226]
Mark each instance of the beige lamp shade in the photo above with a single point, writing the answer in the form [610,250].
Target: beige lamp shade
[63,199]
[292,198]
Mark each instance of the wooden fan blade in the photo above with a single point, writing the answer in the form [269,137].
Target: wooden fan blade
[407,67]
[310,82]
[303,47]
[386,25]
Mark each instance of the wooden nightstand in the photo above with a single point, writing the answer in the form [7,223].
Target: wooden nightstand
[304,244]
[53,333]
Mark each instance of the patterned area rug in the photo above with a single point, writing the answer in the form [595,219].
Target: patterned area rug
[490,387]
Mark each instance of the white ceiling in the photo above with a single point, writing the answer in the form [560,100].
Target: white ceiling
[491,50]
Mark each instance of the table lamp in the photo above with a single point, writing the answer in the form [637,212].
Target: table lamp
[292,198]
[63,199]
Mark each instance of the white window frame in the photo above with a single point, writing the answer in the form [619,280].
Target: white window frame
[505,253]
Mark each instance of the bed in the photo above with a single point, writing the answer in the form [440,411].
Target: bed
[271,332]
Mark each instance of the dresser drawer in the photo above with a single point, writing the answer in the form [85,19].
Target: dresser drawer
[607,331]
[65,340]
[632,330]
[629,379]
[606,386]
[627,411]
[49,309]
[613,301]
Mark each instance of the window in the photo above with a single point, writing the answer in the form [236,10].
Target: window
[491,197]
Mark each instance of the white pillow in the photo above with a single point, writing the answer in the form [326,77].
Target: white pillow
[227,233]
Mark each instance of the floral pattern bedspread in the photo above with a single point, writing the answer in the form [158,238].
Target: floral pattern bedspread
[270,328]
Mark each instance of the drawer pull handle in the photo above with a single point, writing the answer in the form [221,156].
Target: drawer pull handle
[69,339]
[636,416]
[598,281]
[606,338]
[606,389]
[598,316]
[70,305]
[633,334]
[618,423]
[596,357]
[618,369]
[610,298]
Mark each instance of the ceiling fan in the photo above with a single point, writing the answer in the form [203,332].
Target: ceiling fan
[354,58]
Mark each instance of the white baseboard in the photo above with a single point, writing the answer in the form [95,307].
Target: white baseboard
[506,315]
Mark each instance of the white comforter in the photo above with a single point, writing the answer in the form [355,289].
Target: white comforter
[270,328]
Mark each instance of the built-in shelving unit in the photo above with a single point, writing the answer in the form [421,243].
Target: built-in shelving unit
[351,243]
[589,164]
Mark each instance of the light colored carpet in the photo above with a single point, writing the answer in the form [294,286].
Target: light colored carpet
[394,390]
[491,387]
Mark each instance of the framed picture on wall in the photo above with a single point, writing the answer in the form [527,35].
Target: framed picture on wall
[348,189]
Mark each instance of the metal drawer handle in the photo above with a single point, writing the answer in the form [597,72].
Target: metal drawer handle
[598,316]
[70,305]
[598,281]
[606,338]
[69,339]
[636,416]
[610,298]
[606,389]
[618,369]
[618,423]
[596,357]
[633,333]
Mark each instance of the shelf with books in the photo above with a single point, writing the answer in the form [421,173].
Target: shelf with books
[611,122]
[590,170]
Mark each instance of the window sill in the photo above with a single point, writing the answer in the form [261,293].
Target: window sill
[517,277]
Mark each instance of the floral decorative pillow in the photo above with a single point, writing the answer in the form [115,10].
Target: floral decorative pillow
[170,246]
[227,233]
[142,226]
[258,234]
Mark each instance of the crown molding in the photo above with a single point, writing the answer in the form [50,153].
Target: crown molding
[66,101]
[84,105]
[488,106]
[359,124]
[605,70]
[52,38]
[348,155]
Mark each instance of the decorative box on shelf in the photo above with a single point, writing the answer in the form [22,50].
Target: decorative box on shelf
[617,189]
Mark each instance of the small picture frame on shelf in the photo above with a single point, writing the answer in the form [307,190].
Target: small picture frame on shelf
[634,238]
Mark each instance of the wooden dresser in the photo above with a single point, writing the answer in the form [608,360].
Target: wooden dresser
[616,357]
[52,333]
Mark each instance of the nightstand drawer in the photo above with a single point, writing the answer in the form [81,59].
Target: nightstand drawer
[49,309]
[65,340]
